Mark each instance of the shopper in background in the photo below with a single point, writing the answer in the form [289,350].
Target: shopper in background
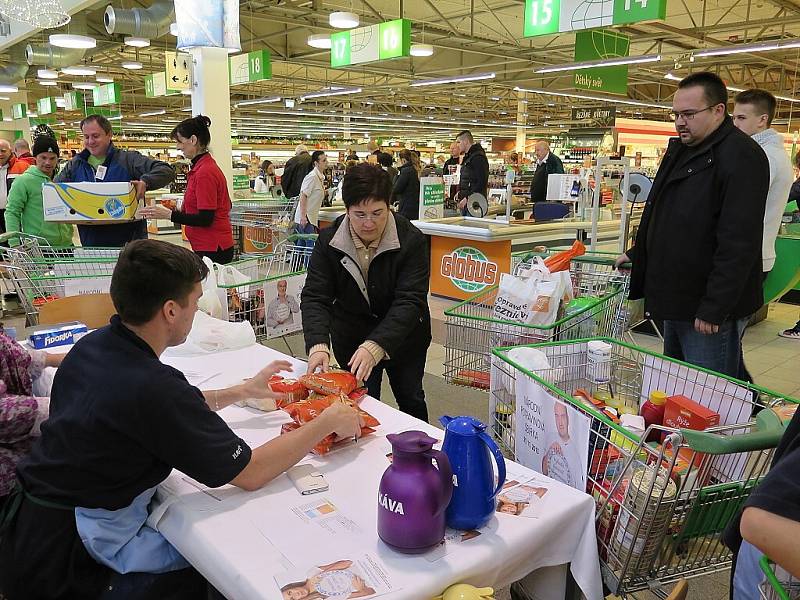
[753,112]
[385,160]
[793,333]
[406,186]
[101,161]
[697,255]
[312,193]
[22,150]
[206,210]
[474,170]
[547,164]
[366,293]
[455,158]
[373,147]
[7,176]
[78,532]
[25,210]
[295,170]
[266,177]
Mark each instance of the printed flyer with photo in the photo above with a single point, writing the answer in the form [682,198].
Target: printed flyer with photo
[359,576]
[521,499]
[455,538]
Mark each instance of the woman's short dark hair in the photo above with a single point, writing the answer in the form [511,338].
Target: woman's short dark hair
[104,123]
[148,274]
[316,154]
[194,126]
[366,181]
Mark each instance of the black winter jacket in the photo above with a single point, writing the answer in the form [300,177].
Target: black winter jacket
[552,165]
[337,308]
[474,172]
[294,172]
[406,192]
[698,249]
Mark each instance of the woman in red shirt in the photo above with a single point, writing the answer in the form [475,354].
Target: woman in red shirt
[206,202]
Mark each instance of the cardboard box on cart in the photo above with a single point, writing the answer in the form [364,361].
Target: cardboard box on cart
[89,201]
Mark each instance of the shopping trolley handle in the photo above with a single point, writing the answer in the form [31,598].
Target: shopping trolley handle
[765,435]
[301,236]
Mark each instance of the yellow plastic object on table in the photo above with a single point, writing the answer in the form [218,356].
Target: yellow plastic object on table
[464,591]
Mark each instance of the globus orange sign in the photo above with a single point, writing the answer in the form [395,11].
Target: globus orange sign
[460,269]
[468,269]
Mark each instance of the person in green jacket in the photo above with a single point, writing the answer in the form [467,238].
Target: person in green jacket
[25,212]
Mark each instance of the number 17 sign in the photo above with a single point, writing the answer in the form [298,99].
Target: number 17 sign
[559,16]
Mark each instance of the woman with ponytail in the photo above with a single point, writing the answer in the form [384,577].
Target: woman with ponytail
[406,186]
[206,202]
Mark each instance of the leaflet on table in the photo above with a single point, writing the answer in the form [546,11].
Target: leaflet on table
[455,538]
[522,499]
[342,576]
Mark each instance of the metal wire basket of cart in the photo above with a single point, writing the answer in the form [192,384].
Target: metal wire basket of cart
[663,496]
[473,330]
[265,290]
[37,258]
[259,226]
[778,584]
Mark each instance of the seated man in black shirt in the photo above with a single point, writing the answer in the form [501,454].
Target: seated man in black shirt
[120,421]
[770,521]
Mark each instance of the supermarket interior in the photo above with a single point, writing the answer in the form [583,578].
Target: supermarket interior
[415,299]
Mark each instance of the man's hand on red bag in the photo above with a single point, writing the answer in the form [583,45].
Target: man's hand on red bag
[319,360]
[705,327]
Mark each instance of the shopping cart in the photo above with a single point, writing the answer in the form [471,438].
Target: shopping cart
[661,507]
[472,329]
[779,583]
[260,225]
[250,288]
[37,257]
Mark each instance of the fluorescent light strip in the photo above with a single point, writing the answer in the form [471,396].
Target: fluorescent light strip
[331,92]
[258,101]
[672,77]
[155,113]
[741,48]
[458,79]
[608,99]
[367,117]
[608,62]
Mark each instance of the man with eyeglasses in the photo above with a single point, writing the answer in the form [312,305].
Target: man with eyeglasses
[366,293]
[697,255]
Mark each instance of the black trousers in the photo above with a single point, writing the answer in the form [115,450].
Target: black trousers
[221,257]
[405,376]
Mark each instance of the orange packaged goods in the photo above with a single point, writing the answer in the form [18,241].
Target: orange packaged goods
[682,413]
[560,261]
[294,390]
[332,382]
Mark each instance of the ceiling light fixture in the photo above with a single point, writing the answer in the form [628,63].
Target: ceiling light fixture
[9,89]
[104,79]
[136,42]
[606,62]
[421,50]
[79,71]
[319,40]
[458,79]
[608,99]
[326,93]
[84,86]
[258,101]
[46,74]
[343,20]
[47,82]
[132,65]
[187,92]
[173,29]
[71,40]
[155,113]
[740,48]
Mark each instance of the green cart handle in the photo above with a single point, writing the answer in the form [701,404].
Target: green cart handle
[301,236]
[772,579]
[768,431]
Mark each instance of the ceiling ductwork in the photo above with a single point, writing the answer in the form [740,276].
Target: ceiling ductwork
[11,74]
[150,23]
[53,56]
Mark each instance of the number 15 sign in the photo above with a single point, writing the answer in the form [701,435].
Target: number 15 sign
[559,16]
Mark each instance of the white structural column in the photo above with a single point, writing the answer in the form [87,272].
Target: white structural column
[522,119]
[211,96]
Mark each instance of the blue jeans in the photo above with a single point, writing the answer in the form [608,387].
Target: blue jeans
[720,352]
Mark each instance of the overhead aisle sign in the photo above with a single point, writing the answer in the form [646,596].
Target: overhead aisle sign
[19,111]
[71,101]
[596,45]
[382,41]
[46,105]
[178,71]
[558,16]
[250,67]
[106,94]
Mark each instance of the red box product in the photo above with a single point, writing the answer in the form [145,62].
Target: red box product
[682,413]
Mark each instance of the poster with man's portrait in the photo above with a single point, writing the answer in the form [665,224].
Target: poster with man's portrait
[282,299]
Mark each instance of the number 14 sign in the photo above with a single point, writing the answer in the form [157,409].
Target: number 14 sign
[558,16]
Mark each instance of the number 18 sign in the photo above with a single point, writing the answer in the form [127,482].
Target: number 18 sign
[559,16]
[391,39]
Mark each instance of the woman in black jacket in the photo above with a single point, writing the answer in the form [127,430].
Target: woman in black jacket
[406,186]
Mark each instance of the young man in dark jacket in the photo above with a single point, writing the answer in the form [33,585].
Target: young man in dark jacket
[366,293]
[474,169]
[697,256]
[295,171]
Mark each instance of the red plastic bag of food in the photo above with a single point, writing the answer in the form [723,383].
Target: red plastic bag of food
[307,410]
[293,390]
[560,261]
[331,382]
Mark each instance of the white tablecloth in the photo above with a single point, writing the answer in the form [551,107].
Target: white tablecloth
[239,540]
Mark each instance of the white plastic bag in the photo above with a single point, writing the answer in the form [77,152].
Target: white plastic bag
[532,297]
[228,275]
[210,302]
[216,335]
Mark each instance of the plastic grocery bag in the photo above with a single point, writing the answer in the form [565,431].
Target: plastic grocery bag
[532,297]
[560,261]
[210,302]
[228,275]
[215,335]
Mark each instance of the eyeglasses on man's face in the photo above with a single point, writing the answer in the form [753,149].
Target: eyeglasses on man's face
[688,115]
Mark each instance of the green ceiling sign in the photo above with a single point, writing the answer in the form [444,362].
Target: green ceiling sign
[553,16]
[72,101]
[601,44]
[19,111]
[106,94]
[250,67]
[46,106]
[383,41]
